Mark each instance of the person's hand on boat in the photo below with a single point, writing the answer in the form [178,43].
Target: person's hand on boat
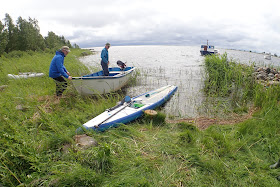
[68,73]
[70,77]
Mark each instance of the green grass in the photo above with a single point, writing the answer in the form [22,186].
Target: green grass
[148,152]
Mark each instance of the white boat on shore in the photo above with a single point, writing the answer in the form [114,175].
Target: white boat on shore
[96,83]
[267,56]
[25,75]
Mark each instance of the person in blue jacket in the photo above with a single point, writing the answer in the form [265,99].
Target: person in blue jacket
[105,59]
[58,71]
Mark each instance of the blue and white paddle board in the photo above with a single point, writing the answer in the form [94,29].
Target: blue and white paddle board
[131,109]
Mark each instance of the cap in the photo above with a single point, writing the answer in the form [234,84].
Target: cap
[108,44]
[66,48]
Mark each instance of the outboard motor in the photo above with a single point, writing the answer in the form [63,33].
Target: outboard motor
[121,64]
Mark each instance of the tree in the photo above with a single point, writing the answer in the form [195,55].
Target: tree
[68,44]
[38,38]
[3,38]
[12,34]
[54,41]
[76,46]
[25,35]
[29,35]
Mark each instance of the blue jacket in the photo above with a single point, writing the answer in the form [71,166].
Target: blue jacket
[57,68]
[105,55]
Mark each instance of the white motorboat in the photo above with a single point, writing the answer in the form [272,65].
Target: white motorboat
[97,83]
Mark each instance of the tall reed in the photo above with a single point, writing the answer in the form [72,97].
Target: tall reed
[227,78]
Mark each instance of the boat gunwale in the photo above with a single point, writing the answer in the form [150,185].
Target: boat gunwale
[120,75]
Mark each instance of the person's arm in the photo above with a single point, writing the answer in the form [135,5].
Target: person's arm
[67,72]
[108,58]
[64,68]
[61,68]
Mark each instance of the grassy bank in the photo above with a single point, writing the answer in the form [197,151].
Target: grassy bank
[38,148]
[31,138]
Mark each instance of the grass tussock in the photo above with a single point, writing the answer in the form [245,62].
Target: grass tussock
[148,152]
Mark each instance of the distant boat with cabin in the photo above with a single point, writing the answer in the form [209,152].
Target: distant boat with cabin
[208,49]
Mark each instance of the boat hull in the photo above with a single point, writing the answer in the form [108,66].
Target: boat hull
[99,84]
[127,112]
[206,53]
[208,50]
[267,57]
[25,75]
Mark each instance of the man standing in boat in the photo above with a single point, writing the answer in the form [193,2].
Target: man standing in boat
[105,59]
[58,71]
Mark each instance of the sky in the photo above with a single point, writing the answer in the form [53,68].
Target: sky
[240,24]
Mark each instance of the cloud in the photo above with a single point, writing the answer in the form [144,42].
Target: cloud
[239,24]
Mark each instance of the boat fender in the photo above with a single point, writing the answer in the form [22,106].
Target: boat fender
[151,112]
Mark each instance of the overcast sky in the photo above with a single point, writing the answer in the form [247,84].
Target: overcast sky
[239,24]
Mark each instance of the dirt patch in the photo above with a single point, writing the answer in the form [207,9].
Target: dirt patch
[50,99]
[204,122]
[2,87]
[84,141]
[47,102]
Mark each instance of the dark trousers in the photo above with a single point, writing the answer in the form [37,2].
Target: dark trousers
[61,85]
[105,68]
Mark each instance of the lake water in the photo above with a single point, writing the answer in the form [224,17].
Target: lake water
[176,65]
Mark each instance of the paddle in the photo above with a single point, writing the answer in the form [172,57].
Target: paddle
[125,102]
[149,94]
